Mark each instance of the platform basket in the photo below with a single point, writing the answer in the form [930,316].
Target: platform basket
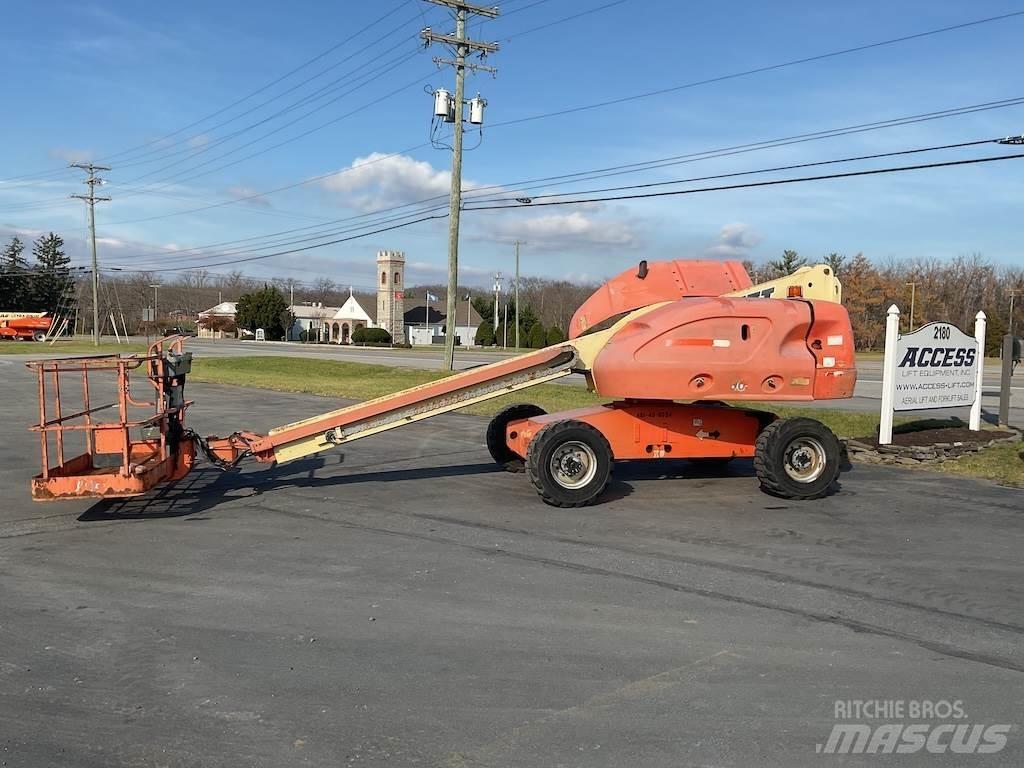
[96,439]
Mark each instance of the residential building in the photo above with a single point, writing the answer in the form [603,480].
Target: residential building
[425,322]
[225,311]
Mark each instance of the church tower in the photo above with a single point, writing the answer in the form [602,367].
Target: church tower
[390,299]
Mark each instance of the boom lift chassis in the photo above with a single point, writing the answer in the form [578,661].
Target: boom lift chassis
[653,338]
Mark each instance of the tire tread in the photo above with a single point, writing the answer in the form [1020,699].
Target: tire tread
[550,432]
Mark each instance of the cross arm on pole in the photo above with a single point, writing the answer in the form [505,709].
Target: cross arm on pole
[491,12]
[429,36]
[468,65]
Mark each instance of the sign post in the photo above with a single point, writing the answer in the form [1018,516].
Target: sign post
[980,322]
[935,366]
[892,332]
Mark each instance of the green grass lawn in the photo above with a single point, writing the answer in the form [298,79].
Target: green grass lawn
[360,381]
[1002,463]
[43,350]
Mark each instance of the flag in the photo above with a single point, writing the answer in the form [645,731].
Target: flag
[431,297]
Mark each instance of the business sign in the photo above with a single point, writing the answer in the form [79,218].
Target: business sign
[936,367]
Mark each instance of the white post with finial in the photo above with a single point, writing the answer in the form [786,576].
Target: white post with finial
[892,334]
[980,322]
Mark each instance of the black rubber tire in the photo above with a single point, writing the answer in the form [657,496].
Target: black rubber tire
[770,458]
[38,336]
[538,463]
[496,445]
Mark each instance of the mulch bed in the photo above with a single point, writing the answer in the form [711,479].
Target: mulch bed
[948,436]
[927,441]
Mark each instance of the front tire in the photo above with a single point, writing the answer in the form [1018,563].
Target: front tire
[569,463]
[39,336]
[797,458]
[497,446]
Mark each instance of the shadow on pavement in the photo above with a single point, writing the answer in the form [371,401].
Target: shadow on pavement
[205,488]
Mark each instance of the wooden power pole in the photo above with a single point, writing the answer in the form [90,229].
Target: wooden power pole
[91,200]
[518,243]
[461,47]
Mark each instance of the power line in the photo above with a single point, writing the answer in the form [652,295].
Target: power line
[580,176]
[747,185]
[136,161]
[293,185]
[309,247]
[243,99]
[293,241]
[753,184]
[373,76]
[735,75]
[367,78]
[795,166]
[759,70]
[572,17]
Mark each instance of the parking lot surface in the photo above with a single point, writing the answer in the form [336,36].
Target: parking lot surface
[408,604]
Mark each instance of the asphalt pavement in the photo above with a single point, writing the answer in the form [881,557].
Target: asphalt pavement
[406,604]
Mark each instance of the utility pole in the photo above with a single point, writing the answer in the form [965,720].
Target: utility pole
[497,291]
[1006,370]
[91,200]
[156,314]
[913,294]
[461,47]
[518,243]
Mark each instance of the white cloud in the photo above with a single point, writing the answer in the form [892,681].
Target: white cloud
[381,181]
[559,231]
[68,155]
[198,141]
[734,241]
[240,191]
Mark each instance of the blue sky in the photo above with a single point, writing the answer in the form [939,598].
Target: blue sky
[91,80]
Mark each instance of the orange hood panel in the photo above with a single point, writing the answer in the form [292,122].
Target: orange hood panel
[730,349]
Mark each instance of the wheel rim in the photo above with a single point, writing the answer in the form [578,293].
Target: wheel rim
[573,464]
[804,459]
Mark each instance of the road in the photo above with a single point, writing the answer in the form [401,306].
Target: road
[412,606]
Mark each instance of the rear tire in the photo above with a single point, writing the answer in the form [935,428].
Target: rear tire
[569,463]
[38,336]
[796,458]
[496,443]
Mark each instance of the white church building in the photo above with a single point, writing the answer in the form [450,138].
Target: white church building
[317,322]
[423,323]
[337,324]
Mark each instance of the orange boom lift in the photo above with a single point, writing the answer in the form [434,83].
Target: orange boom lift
[679,346]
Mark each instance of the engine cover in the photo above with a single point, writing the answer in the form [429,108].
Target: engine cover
[731,349]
